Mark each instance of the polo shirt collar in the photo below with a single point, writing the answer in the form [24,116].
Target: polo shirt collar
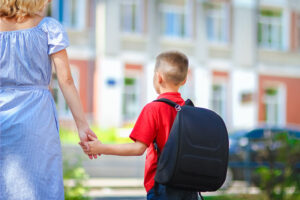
[171,95]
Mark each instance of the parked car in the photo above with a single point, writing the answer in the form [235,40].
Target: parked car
[246,151]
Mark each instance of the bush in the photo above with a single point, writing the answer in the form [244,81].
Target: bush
[105,135]
[74,177]
[235,197]
[280,180]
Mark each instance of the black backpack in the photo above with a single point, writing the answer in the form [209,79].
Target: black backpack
[195,156]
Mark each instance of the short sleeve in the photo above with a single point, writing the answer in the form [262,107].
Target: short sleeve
[57,36]
[145,127]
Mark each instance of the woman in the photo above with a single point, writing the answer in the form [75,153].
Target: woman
[30,149]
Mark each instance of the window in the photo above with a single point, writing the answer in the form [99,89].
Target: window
[71,13]
[131,103]
[132,16]
[219,99]
[176,19]
[132,91]
[270,31]
[217,22]
[274,105]
[62,107]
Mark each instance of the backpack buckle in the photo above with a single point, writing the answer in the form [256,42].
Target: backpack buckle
[178,108]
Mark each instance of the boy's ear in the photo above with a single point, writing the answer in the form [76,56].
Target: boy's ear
[183,82]
[159,77]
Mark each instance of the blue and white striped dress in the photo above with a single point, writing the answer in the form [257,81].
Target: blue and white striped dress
[30,149]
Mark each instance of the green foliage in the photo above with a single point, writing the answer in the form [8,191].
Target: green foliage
[75,175]
[129,81]
[68,136]
[105,135]
[238,197]
[235,197]
[110,135]
[271,91]
[282,183]
[270,13]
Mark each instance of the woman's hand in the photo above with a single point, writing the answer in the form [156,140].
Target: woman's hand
[85,134]
[94,146]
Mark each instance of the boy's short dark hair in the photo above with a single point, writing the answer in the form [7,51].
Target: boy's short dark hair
[174,66]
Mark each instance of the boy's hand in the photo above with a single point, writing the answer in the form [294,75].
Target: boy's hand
[94,145]
[87,150]
[84,134]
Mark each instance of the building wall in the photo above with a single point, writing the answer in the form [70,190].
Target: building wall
[292,98]
[81,52]
[236,61]
[85,69]
[108,92]
[294,42]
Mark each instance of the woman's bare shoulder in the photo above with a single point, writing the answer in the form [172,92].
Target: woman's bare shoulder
[11,24]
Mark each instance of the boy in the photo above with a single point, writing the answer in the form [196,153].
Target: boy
[154,123]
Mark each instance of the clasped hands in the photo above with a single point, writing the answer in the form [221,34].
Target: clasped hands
[88,142]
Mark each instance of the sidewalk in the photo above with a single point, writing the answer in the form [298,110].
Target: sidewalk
[132,189]
[115,188]
[121,178]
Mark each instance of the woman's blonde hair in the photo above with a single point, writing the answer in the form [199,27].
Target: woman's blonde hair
[21,8]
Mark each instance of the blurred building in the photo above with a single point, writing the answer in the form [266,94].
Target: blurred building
[244,56]
[78,18]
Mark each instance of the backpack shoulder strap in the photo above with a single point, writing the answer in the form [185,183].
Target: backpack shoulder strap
[171,103]
[167,101]
[188,102]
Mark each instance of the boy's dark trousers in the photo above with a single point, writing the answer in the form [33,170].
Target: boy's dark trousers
[167,193]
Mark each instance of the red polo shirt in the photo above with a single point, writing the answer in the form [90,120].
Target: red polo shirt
[155,121]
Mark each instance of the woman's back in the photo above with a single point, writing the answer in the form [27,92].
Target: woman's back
[24,52]
[13,24]
[30,158]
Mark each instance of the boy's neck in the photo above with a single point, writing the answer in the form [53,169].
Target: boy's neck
[165,90]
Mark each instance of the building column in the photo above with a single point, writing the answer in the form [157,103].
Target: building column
[244,77]
[244,47]
[201,47]
[112,29]
[201,73]
[153,33]
[109,72]
[153,28]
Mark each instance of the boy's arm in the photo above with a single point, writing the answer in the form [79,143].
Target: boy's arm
[131,149]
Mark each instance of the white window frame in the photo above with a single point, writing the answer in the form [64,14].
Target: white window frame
[136,89]
[221,25]
[276,24]
[139,17]
[222,99]
[186,11]
[80,15]
[280,101]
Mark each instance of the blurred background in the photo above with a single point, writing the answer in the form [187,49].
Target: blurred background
[244,64]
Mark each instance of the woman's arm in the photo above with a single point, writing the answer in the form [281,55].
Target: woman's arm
[66,84]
